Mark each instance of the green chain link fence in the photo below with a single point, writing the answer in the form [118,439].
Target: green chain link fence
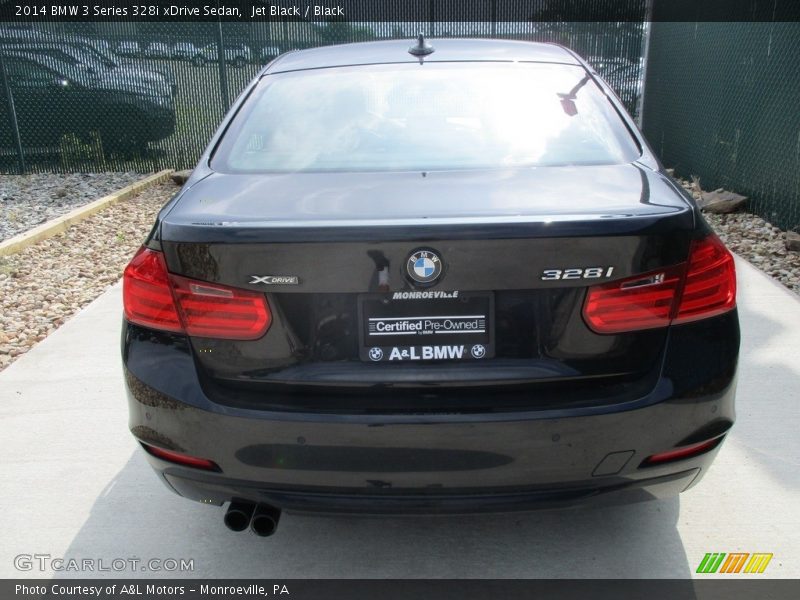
[147,95]
[721,103]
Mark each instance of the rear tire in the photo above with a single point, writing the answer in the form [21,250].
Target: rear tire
[127,140]
[198,61]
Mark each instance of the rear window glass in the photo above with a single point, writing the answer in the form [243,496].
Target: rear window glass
[434,116]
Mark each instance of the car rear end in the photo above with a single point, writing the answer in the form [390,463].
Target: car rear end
[411,303]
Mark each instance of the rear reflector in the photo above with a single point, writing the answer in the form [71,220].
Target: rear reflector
[703,287]
[181,459]
[681,453]
[155,298]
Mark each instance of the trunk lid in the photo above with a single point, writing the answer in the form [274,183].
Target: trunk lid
[320,245]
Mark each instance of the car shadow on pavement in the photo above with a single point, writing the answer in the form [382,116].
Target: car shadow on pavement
[137,517]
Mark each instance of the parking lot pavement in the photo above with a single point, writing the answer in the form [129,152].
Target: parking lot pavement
[74,485]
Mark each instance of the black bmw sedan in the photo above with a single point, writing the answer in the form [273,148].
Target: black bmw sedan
[445,277]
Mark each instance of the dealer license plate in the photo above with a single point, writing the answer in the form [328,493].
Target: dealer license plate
[426,326]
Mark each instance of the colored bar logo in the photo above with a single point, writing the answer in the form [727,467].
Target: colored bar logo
[734,562]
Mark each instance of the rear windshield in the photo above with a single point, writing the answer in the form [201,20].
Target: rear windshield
[429,117]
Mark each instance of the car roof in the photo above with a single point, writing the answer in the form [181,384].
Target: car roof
[27,34]
[44,60]
[75,52]
[36,36]
[445,50]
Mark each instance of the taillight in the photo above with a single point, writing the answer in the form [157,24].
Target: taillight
[703,287]
[642,302]
[210,310]
[710,287]
[155,298]
[146,293]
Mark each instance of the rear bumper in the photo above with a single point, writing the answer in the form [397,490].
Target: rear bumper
[430,463]
[217,489]
[435,462]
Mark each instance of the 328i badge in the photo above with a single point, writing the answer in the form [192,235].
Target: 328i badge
[445,278]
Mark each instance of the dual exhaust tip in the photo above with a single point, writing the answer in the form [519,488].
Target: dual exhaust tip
[262,518]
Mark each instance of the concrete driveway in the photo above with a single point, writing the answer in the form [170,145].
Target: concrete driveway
[74,484]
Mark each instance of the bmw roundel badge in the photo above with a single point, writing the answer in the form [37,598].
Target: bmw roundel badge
[424,266]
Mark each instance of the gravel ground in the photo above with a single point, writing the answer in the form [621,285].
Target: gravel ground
[755,240]
[45,284]
[28,200]
[761,243]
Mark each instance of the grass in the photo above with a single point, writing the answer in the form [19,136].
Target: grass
[73,151]
[7,267]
